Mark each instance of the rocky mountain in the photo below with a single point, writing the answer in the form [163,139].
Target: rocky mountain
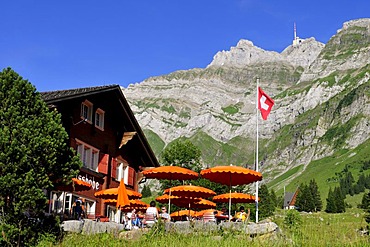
[321,94]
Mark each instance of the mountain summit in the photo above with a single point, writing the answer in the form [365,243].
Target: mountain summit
[321,95]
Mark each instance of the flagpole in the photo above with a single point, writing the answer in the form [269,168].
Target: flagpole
[257,149]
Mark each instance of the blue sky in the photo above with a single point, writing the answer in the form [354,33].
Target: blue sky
[70,44]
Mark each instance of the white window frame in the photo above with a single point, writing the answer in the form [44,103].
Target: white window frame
[89,155]
[87,114]
[99,114]
[122,171]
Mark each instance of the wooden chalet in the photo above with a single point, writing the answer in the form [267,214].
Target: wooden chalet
[104,132]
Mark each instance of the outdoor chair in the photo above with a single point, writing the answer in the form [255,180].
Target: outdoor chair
[209,217]
[149,220]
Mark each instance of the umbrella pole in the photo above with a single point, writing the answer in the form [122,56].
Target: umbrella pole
[169,203]
[230,199]
[230,205]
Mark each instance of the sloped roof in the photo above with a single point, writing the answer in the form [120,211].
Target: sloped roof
[60,95]
[288,198]
[54,97]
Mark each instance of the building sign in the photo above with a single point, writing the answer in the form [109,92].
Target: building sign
[89,179]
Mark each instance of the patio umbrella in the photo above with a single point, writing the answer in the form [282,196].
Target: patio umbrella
[196,204]
[181,213]
[190,191]
[133,203]
[231,176]
[235,198]
[112,193]
[75,185]
[200,213]
[176,199]
[170,173]
[122,197]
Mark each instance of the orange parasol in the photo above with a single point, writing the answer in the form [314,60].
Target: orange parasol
[200,213]
[200,203]
[231,175]
[170,173]
[178,214]
[75,185]
[190,191]
[122,197]
[133,203]
[113,192]
[164,199]
[235,198]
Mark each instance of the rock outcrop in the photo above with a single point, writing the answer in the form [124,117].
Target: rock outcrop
[313,85]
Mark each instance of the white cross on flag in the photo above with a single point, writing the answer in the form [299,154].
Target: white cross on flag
[265,103]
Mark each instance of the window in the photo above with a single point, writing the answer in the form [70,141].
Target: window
[121,170]
[88,155]
[99,119]
[86,110]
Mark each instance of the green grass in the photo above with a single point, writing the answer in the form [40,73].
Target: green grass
[317,229]
[285,176]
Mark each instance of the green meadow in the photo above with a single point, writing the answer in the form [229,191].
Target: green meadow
[316,229]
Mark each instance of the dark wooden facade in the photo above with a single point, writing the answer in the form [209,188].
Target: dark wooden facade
[119,121]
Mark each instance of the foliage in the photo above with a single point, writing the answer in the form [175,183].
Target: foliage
[182,153]
[366,206]
[34,154]
[308,198]
[335,201]
[292,219]
[146,192]
[267,204]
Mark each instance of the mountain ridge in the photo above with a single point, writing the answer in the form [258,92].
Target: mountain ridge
[307,81]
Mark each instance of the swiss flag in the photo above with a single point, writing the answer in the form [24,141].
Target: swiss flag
[265,103]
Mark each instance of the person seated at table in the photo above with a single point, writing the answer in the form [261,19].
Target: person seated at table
[135,219]
[164,215]
[151,214]
[242,215]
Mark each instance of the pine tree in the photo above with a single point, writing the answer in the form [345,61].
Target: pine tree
[314,189]
[335,201]
[301,200]
[365,202]
[34,153]
[266,204]
[146,192]
[330,203]
[339,200]
[366,206]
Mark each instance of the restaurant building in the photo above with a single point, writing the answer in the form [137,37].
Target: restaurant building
[104,132]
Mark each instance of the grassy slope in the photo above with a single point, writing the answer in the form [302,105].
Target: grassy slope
[323,169]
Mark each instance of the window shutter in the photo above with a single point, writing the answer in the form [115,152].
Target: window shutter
[131,176]
[103,163]
[114,168]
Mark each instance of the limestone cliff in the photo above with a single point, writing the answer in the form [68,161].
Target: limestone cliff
[317,89]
